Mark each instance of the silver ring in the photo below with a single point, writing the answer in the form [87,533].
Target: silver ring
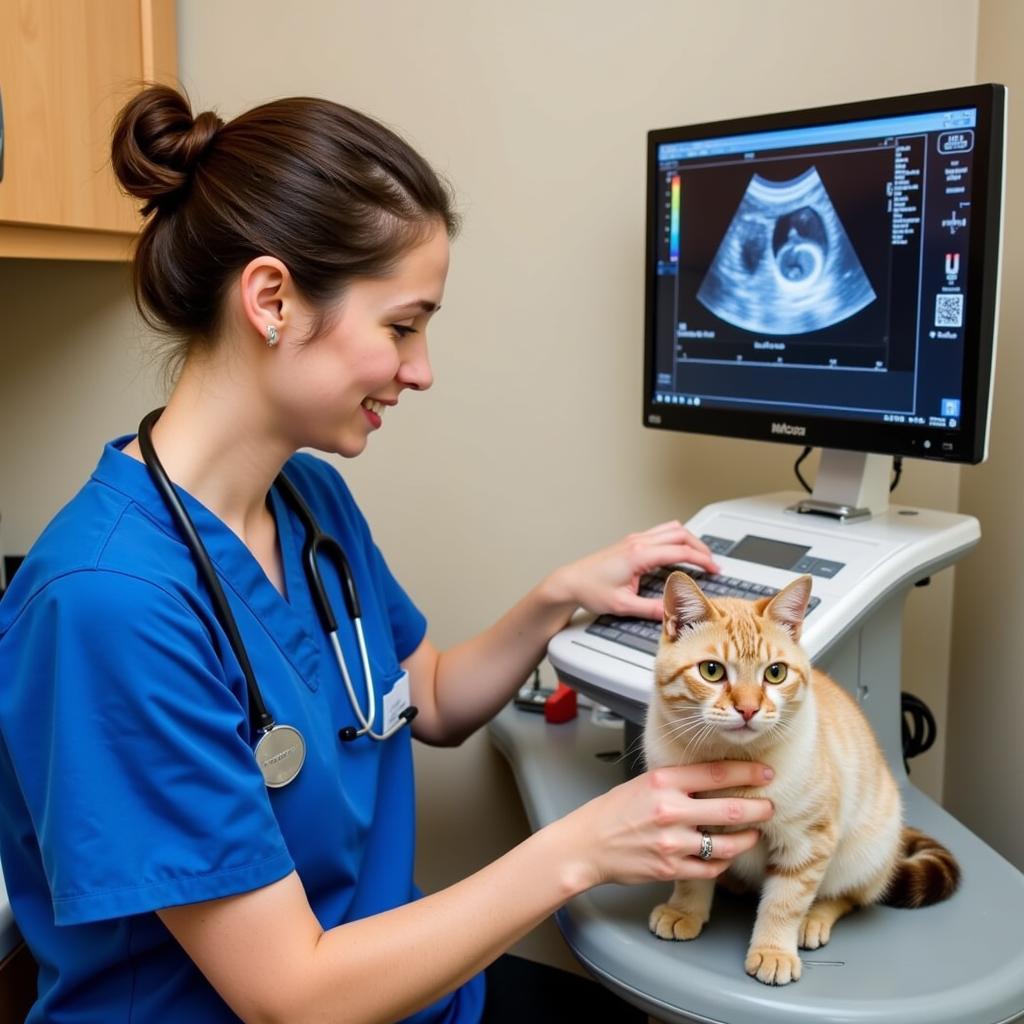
[705,846]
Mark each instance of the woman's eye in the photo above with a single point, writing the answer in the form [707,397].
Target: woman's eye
[402,331]
[712,671]
[775,673]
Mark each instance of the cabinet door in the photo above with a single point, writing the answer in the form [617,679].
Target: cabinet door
[66,66]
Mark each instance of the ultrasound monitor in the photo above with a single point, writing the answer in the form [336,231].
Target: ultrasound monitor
[827,277]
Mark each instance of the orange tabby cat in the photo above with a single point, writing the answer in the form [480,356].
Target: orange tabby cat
[731,681]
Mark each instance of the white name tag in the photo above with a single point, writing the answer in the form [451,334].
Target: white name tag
[396,701]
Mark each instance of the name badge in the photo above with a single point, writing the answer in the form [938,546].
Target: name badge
[396,700]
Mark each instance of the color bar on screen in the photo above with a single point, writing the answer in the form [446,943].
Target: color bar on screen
[673,235]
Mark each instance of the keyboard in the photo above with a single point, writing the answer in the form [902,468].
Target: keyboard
[644,634]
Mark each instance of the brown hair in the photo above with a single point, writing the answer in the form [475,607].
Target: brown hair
[330,192]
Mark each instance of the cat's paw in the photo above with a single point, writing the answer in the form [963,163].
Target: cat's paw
[815,930]
[669,923]
[772,966]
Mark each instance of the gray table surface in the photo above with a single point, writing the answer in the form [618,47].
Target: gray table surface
[959,962]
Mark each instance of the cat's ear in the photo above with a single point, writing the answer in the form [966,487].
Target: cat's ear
[789,606]
[685,604]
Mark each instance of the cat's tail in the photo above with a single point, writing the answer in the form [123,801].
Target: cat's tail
[926,872]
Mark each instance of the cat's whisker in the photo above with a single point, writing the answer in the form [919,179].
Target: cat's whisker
[680,733]
[686,715]
[634,748]
[697,740]
[678,726]
[781,729]
[682,722]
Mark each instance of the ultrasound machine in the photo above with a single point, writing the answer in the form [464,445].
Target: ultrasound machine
[824,278]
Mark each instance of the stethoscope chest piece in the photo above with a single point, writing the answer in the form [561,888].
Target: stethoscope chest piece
[280,752]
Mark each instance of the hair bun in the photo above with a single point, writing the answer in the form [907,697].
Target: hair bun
[157,143]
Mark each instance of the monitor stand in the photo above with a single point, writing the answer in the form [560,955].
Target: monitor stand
[959,962]
[849,486]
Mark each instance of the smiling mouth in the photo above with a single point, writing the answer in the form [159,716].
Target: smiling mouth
[371,405]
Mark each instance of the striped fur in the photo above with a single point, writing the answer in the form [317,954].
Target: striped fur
[836,840]
[925,873]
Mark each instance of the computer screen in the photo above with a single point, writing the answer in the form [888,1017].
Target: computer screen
[829,277]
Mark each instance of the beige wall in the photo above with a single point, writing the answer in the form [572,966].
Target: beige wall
[985,762]
[529,449]
[77,370]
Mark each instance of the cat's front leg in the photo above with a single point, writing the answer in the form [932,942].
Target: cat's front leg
[686,912]
[785,899]
[816,927]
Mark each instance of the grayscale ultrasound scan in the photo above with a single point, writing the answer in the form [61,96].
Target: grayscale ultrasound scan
[785,265]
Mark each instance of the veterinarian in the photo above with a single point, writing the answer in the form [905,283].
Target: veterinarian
[209,677]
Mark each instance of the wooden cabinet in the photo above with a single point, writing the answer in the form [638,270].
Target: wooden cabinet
[66,67]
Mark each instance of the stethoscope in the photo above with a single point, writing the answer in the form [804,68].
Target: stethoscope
[280,749]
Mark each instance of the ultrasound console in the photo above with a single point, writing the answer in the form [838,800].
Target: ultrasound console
[825,278]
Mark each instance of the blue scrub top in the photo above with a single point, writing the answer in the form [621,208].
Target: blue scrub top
[127,777]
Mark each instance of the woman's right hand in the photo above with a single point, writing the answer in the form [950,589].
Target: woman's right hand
[648,829]
[270,959]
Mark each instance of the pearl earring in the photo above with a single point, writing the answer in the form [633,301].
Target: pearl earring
[271,335]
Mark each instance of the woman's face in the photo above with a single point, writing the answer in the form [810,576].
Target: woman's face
[334,391]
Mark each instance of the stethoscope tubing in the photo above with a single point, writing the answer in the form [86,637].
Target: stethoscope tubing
[262,722]
[365,721]
[260,717]
[317,540]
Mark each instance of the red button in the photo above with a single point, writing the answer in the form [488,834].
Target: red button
[561,705]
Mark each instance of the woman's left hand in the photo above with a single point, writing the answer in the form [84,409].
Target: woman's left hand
[607,580]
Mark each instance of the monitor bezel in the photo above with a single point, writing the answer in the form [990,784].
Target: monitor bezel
[968,444]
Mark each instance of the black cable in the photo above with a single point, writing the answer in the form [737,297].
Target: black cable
[796,469]
[898,472]
[917,727]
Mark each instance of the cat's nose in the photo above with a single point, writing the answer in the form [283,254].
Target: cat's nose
[747,713]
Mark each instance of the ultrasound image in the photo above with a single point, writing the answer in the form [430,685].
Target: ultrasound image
[785,265]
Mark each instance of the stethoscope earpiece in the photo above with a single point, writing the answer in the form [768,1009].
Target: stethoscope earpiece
[350,732]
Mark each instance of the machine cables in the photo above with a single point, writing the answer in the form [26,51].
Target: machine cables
[917,723]
[917,727]
[796,469]
[897,467]
[897,470]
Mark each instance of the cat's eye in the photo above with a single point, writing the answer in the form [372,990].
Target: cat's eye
[712,671]
[775,673]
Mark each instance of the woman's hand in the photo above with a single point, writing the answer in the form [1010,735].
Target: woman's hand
[648,829]
[459,689]
[607,580]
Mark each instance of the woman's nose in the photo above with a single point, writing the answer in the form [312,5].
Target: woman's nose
[415,371]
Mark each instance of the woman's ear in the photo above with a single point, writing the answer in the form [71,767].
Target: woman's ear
[265,288]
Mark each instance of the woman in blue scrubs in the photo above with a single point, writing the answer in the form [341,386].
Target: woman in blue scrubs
[298,254]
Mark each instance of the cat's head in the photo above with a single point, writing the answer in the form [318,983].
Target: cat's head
[729,669]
